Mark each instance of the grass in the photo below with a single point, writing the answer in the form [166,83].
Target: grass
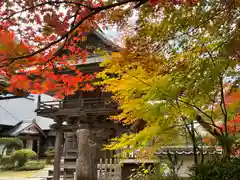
[21,174]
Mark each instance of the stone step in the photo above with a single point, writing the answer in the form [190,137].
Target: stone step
[51,178]
[70,157]
[71,150]
[70,165]
[50,172]
[71,154]
[70,160]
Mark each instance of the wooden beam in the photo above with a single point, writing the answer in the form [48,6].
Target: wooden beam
[11,97]
[28,137]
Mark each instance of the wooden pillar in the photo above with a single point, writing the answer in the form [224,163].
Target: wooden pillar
[38,147]
[119,131]
[86,165]
[58,151]
[99,152]
[39,101]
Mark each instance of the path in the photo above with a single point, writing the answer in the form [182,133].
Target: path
[41,175]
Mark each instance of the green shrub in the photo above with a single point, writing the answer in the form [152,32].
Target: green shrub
[31,165]
[142,173]
[151,173]
[22,156]
[6,163]
[217,170]
[8,167]
[50,152]
[10,142]
[4,160]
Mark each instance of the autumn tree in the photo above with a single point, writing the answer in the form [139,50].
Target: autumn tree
[40,38]
[178,66]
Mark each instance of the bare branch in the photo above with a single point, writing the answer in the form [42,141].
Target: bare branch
[194,106]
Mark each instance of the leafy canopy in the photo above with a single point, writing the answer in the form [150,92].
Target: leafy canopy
[178,66]
[41,39]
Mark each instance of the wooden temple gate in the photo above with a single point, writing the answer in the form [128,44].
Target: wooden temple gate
[81,122]
[83,125]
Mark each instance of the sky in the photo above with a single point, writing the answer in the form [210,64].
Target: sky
[114,34]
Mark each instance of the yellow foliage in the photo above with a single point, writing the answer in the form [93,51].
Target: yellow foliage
[136,76]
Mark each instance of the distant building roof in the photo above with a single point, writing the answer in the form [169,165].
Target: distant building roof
[43,122]
[24,127]
[14,111]
[18,128]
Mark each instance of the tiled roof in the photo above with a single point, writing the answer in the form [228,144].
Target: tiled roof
[43,122]
[13,111]
[20,127]
[184,150]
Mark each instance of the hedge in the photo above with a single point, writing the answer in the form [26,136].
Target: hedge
[30,166]
[22,156]
[217,170]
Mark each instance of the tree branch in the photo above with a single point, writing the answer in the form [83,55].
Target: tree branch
[194,106]
[223,106]
[46,3]
[160,46]
[207,127]
[94,12]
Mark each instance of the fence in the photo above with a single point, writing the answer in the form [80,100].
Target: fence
[109,169]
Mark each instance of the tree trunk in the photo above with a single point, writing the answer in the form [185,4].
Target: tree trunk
[86,165]
[192,134]
[220,137]
[226,152]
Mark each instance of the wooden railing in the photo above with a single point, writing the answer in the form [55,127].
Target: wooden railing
[77,103]
[108,169]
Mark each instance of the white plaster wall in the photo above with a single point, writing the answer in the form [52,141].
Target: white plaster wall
[29,144]
[31,130]
[188,161]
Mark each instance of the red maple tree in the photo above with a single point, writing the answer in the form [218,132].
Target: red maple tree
[231,99]
[35,35]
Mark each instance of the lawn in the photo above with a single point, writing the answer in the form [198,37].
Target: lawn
[21,174]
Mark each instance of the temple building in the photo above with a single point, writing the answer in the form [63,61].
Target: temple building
[19,119]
